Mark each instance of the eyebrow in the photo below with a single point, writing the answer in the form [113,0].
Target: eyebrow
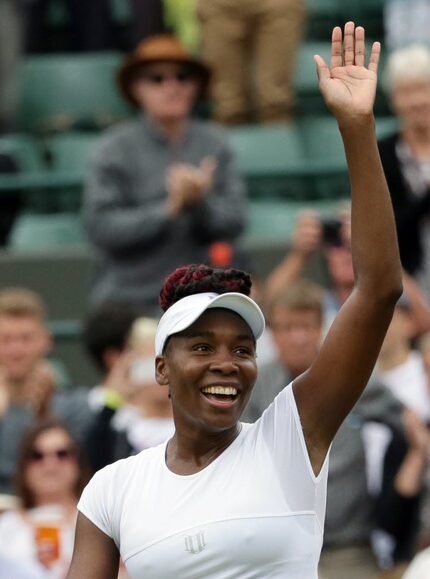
[208,334]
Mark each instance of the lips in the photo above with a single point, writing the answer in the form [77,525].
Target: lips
[221,395]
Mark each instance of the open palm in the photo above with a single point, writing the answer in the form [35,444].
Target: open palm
[347,85]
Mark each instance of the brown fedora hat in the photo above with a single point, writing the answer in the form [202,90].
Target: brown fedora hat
[159,48]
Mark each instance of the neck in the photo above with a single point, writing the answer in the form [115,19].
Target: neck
[174,129]
[65,500]
[190,452]
[17,391]
[393,357]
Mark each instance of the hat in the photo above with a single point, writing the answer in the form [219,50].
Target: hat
[159,48]
[182,314]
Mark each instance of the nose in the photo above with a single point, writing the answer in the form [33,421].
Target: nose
[224,363]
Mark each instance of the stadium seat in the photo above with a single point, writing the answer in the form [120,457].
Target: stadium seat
[309,99]
[64,91]
[24,149]
[33,232]
[71,151]
[270,157]
[325,155]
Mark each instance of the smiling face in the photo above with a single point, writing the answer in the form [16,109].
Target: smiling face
[210,369]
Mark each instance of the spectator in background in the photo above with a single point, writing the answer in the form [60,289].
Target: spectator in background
[162,187]
[405,156]
[105,335]
[27,380]
[50,476]
[137,412]
[240,36]
[400,492]
[11,39]
[314,237]
[295,320]
[400,367]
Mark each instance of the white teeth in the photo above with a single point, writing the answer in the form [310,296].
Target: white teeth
[226,390]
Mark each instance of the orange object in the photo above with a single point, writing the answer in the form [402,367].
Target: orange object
[220,254]
[48,544]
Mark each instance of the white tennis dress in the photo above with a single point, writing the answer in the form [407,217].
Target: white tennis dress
[256,511]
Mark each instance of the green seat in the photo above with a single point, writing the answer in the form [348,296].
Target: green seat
[270,157]
[326,157]
[24,149]
[272,222]
[41,232]
[62,91]
[28,155]
[309,99]
[71,151]
[69,155]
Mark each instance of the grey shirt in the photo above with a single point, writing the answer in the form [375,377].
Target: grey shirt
[125,213]
[349,515]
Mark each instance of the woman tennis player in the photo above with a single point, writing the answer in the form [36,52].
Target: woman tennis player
[223,499]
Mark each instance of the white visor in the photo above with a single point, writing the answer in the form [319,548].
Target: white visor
[185,312]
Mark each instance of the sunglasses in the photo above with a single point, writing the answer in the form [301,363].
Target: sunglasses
[157,78]
[61,454]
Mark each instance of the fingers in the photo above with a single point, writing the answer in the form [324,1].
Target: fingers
[208,165]
[360,47]
[374,57]
[336,47]
[349,48]
[323,70]
[349,44]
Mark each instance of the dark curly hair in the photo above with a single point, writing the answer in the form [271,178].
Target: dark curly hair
[197,279]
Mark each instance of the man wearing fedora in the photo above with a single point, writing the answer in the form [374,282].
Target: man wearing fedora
[162,187]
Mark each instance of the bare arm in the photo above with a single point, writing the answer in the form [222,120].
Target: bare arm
[329,389]
[95,555]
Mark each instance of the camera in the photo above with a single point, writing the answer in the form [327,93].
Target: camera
[332,232]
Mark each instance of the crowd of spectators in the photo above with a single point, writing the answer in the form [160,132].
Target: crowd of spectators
[164,189]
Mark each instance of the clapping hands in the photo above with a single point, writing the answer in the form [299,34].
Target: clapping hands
[186,184]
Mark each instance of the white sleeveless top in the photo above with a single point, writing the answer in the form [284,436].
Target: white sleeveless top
[256,511]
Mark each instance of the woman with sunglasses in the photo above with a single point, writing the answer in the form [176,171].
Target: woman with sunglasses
[50,476]
[163,187]
[223,499]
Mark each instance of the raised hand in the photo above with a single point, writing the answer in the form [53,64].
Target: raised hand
[347,85]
